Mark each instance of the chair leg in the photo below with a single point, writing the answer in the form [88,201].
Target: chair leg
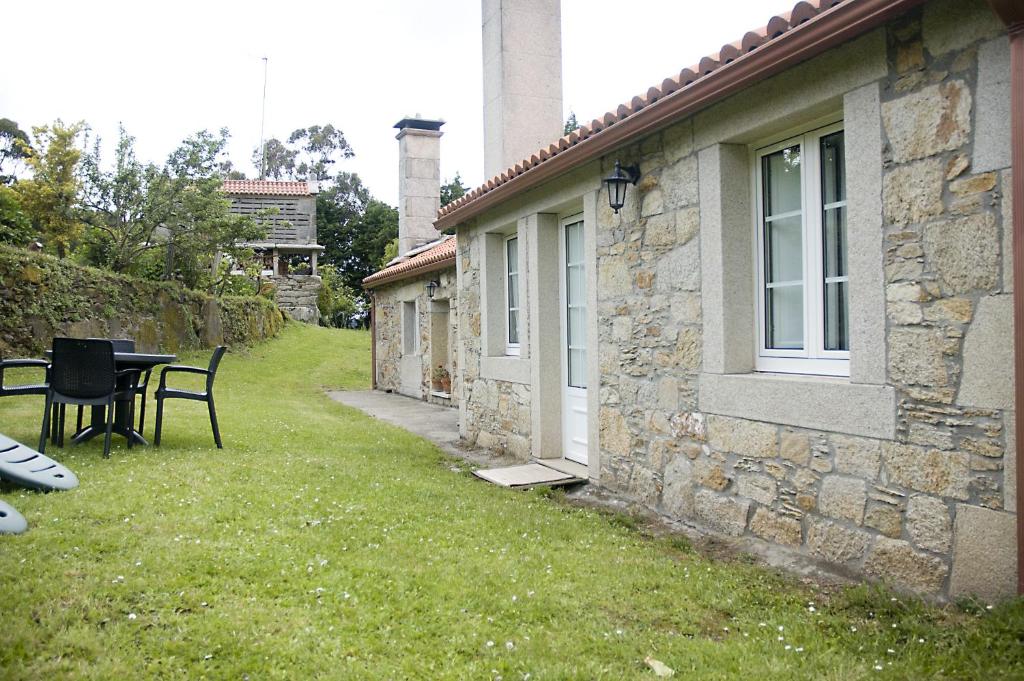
[78,421]
[62,410]
[46,425]
[213,422]
[54,423]
[159,420]
[131,422]
[110,428]
[142,414]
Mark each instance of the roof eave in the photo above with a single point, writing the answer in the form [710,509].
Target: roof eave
[825,31]
[370,282]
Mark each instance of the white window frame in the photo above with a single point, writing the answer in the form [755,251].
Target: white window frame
[512,348]
[813,358]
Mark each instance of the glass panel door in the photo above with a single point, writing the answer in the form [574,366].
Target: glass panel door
[576,306]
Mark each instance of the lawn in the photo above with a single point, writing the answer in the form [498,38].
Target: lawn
[320,543]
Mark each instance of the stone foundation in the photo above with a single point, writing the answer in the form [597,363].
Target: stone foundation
[297,294]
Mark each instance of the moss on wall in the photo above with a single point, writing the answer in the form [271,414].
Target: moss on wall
[42,297]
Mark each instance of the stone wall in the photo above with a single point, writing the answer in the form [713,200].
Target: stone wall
[297,294]
[391,358]
[925,507]
[42,297]
[495,413]
[883,508]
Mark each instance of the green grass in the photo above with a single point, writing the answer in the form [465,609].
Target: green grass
[321,543]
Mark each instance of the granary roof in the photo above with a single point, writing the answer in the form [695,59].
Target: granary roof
[811,27]
[267,188]
[429,258]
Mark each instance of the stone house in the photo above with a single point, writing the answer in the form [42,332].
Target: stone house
[798,326]
[288,211]
[414,299]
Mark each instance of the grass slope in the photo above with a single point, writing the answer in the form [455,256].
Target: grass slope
[323,544]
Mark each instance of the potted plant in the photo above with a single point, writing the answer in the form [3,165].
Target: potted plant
[442,379]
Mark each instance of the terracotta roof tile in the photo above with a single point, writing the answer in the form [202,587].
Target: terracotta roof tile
[753,40]
[266,187]
[434,258]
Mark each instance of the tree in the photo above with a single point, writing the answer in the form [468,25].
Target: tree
[14,149]
[50,198]
[198,223]
[122,205]
[354,228]
[452,189]
[276,160]
[308,154]
[570,123]
[15,227]
[322,146]
[390,253]
[336,301]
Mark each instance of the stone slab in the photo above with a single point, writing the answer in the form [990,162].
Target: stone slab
[527,475]
[984,554]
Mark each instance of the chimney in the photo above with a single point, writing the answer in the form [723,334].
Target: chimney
[419,181]
[522,41]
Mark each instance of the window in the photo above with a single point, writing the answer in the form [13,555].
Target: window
[512,295]
[803,325]
[410,329]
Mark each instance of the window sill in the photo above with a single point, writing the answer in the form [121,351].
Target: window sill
[815,402]
[504,368]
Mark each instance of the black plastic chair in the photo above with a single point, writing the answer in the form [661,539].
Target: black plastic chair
[124,345]
[28,388]
[83,372]
[164,393]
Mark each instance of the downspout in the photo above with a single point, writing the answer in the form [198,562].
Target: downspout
[373,339]
[1012,14]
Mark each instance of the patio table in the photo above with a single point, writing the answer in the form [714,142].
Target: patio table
[98,422]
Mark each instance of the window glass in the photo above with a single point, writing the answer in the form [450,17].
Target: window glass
[784,249]
[833,220]
[512,289]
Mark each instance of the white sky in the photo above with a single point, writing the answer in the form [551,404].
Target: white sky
[167,70]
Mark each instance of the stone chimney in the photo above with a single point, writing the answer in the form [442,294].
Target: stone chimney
[419,181]
[522,42]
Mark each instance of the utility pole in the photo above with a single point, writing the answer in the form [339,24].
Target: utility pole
[263,118]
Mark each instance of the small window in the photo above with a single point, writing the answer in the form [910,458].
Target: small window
[802,266]
[512,295]
[410,329]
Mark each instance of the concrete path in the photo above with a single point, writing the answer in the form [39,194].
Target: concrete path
[438,424]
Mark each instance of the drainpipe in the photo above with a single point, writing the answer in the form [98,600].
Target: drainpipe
[373,340]
[1012,14]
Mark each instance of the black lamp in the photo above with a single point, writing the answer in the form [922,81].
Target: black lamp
[617,182]
[431,287]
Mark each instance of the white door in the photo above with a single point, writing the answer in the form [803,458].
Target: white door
[573,291]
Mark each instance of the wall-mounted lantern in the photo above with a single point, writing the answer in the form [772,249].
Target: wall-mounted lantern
[617,182]
[431,287]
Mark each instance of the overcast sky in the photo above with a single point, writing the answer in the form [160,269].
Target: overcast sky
[167,70]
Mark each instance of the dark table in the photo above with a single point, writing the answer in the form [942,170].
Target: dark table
[98,422]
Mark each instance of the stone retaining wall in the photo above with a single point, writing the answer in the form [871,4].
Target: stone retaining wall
[42,297]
